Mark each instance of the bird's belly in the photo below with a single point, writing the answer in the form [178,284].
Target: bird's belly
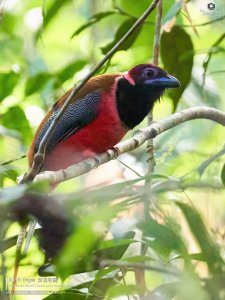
[98,136]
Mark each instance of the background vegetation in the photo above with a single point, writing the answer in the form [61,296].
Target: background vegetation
[115,249]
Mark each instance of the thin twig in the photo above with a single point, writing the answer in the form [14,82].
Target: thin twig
[125,264]
[12,160]
[157,34]
[156,48]
[207,61]
[128,167]
[40,155]
[203,24]
[156,128]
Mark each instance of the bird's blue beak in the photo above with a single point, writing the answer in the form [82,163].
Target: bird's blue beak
[165,82]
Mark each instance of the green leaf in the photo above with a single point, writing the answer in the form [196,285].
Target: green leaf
[8,171]
[177,54]
[8,243]
[201,169]
[96,290]
[15,119]
[106,272]
[92,20]
[70,294]
[36,83]
[194,256]
[162,238]
[124,27]
[8,23]
[173,11]
[8,132]
[163,292]
[223,175]
[137,259]
[107,244]
[120,290]
[114,250]
[11,241]
[199,231]
[8,195]
[99,287]
[39,81]
[11,49]
[68,71]
[92,228]
[7,83]
[52,11]
[212,50]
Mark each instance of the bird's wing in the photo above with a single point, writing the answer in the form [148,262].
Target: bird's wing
[76,116]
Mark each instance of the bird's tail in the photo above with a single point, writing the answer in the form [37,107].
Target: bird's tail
[26,234]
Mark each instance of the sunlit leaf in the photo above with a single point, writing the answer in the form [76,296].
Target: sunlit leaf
[36,82]
[177,56]
[162,238]
[199,231]
[121,290]
[11,50]
[69,70]
[8,172]
[8,23]
[201,169]
[52,10]
[211,52]
[8,82]
[10,194]
[15,119]
[163,292]
[124,27]
[223,175]
[98,288]
[9,132]
[174,9]
[92,228]
[92,20]
[115,249]
[70,294]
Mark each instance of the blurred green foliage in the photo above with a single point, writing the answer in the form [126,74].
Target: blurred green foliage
[45,48]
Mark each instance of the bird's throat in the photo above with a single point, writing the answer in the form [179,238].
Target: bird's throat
[133,102]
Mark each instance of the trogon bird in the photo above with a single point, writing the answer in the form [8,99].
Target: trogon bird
[101,113]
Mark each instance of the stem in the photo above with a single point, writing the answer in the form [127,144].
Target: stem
[145,266]
[147,195]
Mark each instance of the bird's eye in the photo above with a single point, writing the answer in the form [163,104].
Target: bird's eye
[150,73]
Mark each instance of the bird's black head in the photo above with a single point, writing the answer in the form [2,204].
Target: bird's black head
[138,89]
[152,79]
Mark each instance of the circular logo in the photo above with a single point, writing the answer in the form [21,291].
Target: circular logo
[211,6]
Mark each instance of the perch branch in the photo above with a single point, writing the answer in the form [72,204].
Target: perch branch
[156,128]
[40,155]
